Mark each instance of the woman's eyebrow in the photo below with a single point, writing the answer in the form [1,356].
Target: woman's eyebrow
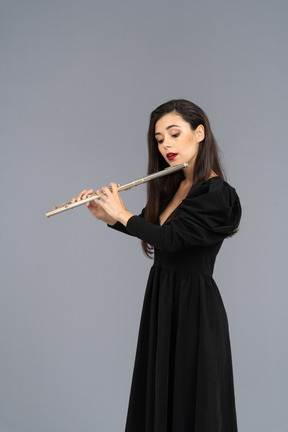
[168,127]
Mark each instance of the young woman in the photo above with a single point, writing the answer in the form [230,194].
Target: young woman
[182,379]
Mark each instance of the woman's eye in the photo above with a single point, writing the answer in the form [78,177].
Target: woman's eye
[160,141]
[176,135]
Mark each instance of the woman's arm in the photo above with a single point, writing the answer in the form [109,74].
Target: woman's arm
[210,213]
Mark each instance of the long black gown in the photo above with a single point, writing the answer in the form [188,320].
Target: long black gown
[183,379]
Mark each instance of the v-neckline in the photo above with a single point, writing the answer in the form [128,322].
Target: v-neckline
[168,217]
[167,202]
[170,197]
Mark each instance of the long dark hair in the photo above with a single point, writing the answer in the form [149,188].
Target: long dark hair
[207,159]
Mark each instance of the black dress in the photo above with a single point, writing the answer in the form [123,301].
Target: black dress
[183,380]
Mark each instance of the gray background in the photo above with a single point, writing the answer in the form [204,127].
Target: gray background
[78,81]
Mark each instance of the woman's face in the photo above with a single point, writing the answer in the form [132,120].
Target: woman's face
[177,142]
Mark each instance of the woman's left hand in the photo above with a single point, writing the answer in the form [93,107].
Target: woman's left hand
[113,204]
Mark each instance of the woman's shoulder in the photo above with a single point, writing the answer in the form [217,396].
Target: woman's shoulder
[213,186]
[213,196]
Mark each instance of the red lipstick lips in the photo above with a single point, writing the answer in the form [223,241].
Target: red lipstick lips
[171,156]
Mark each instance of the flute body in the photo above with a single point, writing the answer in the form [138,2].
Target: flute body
[69,205]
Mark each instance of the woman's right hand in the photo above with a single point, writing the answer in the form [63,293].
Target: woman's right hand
[95,209]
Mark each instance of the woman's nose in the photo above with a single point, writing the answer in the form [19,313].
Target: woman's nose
[166,143]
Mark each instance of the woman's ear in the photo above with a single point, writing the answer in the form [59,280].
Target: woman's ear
[200,133]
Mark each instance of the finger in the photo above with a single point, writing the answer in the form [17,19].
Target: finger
[114,187]
[84,194]
[93,203]
[101,193]
[79,197]
[87,193]
[100,201]
[105,190]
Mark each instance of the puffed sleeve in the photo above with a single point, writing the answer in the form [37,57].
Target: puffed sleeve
[118,226]
[210,212]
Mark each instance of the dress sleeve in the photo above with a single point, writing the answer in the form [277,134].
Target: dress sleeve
[210,212]
[118,226]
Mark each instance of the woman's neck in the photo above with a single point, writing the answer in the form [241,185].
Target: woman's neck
[188,174]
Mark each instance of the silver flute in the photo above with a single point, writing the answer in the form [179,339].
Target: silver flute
[72,204]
